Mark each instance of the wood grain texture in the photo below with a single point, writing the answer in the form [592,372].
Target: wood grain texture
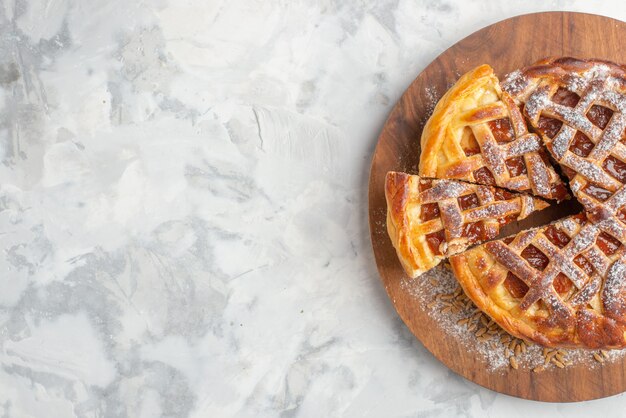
[506,45]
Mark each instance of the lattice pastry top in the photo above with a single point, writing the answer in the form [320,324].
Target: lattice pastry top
[559,285]
[428,220]
[579,107]
[477,133]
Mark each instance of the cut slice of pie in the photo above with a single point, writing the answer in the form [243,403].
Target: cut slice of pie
[579,107]
[561,285]
[477,133]
[429,220]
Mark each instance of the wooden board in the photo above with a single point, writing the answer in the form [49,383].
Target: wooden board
[506,45]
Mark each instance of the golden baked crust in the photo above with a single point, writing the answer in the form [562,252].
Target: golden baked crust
[562,285]
[579,107]
[477,133]
[428,220]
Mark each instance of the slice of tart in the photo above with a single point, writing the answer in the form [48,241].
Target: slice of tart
[429,220]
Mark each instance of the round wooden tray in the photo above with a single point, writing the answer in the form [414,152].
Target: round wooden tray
[506,45]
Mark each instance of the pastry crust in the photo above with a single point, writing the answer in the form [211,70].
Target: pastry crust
[429,220]
[560,285]
[476,133]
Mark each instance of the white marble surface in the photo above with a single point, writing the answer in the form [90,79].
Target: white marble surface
[183,209]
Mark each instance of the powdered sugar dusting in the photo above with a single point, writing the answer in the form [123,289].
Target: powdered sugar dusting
[445,189]
[597,259]
[528,206]
[494,211]
[613,227]
[432,97]
[614,98]
[579,82]
[588,170]
[525,145]
[569,225]
[576,118]
[618,199]
[561,142]
[611,136]
[540,178]
[585,238]
[514,82]
[617,274]
[439,281]
[536,103]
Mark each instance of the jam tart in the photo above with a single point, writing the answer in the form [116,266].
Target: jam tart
[559,285]
[429,220]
